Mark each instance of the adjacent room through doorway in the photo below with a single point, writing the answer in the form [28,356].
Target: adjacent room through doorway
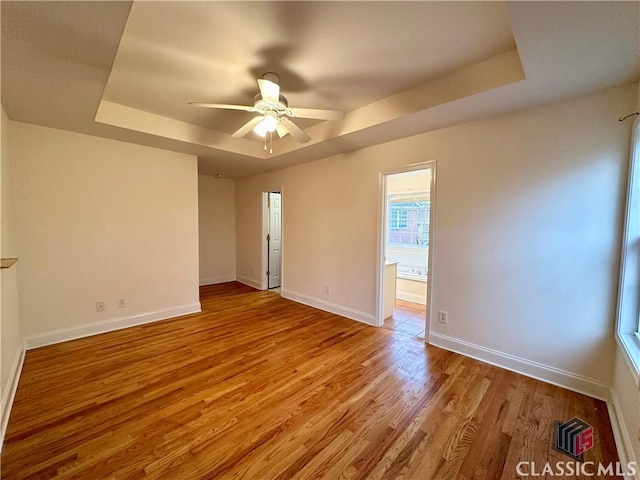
[406,250]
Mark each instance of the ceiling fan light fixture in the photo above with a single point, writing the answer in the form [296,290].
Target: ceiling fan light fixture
[268,124]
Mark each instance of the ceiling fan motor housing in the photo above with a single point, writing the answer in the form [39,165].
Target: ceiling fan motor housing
[272,77]
[279,107]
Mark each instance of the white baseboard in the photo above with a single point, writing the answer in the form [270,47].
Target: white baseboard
[539,371]
[87,330]
[621,434]
[411,297]
[215,280]
[249,281]
[10,392]
[330,307]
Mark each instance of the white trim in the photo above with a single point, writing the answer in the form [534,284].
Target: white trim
[432,249]
[80,331]
[341,310]
[215,280]
[378,319]
[10,393]
[628,344]
[250,282]
[411,297]
[621,434]
[264,262]
[264,251]
[529,368]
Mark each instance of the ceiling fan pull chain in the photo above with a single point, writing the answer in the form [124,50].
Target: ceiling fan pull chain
[270,143]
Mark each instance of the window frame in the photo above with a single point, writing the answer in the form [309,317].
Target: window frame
[628,325]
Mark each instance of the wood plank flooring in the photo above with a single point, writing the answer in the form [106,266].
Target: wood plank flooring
[259,387]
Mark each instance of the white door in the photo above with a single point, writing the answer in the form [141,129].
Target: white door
[274,238]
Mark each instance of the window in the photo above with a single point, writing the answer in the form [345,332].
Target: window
[628,321]
[399,218]
[408,222]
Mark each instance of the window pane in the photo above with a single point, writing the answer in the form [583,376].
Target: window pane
[408,223]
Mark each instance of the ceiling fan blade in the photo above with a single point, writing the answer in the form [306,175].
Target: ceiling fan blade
[295,130]
[269,90]
[281,129]
[244,108]
[315,114]
[247,127]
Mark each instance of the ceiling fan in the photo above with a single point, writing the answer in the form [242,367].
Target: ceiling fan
[274,112]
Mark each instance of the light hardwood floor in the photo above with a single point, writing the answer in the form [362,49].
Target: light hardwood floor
[259,387]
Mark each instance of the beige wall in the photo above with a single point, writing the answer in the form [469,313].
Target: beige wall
[217,221]
[328,228]
[527,228]
[101,220]
[10,332]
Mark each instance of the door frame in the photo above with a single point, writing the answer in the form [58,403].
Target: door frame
[382,222]
[264,249]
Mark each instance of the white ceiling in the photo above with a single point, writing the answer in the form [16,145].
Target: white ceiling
[126,71]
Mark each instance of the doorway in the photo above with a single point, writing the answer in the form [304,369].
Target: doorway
[273,240]
[405,247]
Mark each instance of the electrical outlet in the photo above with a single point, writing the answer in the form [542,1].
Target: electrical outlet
[327,289]
[122,303]
[100,307]
[443,317]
